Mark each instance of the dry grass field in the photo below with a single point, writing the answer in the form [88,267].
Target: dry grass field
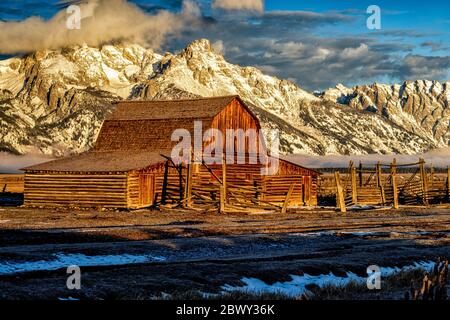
[189,254]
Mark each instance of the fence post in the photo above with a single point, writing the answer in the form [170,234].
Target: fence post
[339,193]
[224,179]
[424,181]
[394,182]
[354,188]
[448,183]
[188,186]
[222,200]
[360,174]
[164,188]
[380,183]
[180,180]
[286,200]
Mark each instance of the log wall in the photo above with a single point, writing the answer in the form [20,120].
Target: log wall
[243,179]
[77,190]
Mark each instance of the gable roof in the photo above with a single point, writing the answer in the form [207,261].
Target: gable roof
[170,109]
[118,161]
[149,125]
[296,163]
[137,132]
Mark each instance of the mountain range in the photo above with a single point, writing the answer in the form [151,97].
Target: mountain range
[54,101]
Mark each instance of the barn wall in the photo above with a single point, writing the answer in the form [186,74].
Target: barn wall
[309,180]
[246,177]
[133,190]
[234,116]
[141,187]
[278,186]
[79,190]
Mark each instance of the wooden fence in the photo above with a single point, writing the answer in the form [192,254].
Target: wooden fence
[226,192]
[383,185]
[11,183]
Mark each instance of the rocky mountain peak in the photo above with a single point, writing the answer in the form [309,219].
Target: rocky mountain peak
[200,45]
[56,100]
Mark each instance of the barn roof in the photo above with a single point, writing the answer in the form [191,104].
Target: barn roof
[118,161]
[295,162]
[170,109]
[149,125]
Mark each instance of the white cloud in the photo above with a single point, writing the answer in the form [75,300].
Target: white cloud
[102,21]
[251,5]
[219,47]
[10,163]
[355,53]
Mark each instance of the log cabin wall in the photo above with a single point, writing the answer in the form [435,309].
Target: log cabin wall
[305,177]
[276,187]
[236,116]
[76,189]
[249,180]
[144,186]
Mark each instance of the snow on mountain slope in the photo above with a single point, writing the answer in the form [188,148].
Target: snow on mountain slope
[54,102]
[418,106]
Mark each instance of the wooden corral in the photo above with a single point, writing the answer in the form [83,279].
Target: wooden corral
[11,183]
[382,184]
[130,165]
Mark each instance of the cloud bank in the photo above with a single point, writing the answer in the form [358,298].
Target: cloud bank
[440,158]
[314,49]
[102,21]
[10,163]
[251,5]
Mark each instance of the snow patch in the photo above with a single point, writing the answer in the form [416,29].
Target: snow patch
[297,286]
[62,260]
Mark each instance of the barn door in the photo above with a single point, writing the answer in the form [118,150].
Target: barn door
[146,189]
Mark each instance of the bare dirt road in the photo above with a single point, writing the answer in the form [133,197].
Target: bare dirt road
[144,253]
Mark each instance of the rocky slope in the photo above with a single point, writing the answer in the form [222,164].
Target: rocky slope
[54,102]
[418,106]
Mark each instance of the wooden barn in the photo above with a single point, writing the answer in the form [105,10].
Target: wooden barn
[130,165]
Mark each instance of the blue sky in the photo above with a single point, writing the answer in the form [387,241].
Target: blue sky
[315,43]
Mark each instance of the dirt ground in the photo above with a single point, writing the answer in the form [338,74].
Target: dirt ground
[204,252]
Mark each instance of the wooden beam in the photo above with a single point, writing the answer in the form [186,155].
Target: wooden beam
[164,188]
[360,173]
[380,183]
[288,197]
[394,182]
[424,181]
[340,200]
[224,180]
[448,184]
[180,178]
[188,186]
[354,188]
[222,200]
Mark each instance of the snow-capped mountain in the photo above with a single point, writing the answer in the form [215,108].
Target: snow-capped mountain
[54,102]
[418,106]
